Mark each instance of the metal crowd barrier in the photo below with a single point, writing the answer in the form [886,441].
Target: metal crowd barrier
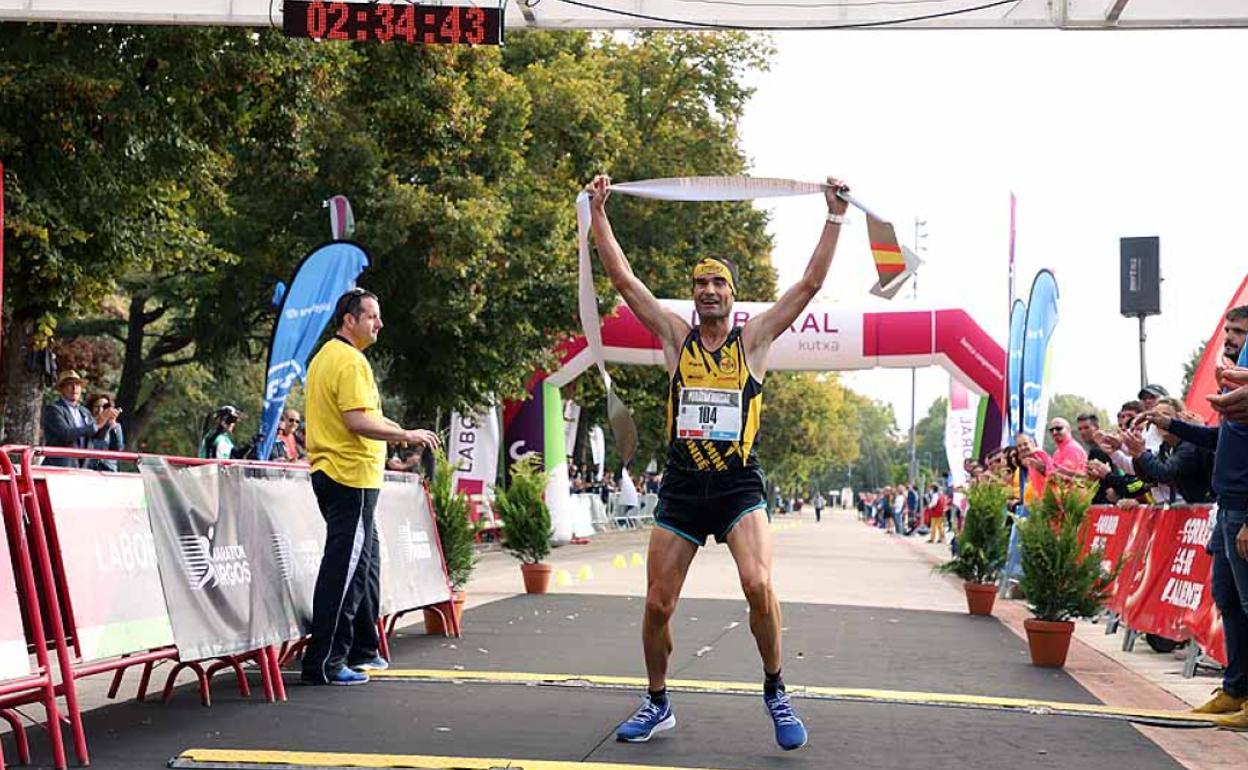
[42,583]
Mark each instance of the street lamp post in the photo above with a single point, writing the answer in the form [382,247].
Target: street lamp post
[919,235]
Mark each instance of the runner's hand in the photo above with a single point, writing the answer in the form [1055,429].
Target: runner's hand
[599,190]
[836,204]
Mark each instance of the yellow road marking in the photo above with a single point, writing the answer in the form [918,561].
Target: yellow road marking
[192,758]
[1173,718]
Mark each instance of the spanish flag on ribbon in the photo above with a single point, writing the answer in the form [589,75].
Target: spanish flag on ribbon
[894,263]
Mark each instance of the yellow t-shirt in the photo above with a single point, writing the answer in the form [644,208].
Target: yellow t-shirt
[341,380]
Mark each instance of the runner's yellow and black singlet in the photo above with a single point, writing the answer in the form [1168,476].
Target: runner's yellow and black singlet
[712,479]
[713,407]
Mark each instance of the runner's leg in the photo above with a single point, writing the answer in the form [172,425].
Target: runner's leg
[750,545]
[666,566]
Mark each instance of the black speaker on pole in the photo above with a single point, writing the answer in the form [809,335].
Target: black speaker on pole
[1140,277]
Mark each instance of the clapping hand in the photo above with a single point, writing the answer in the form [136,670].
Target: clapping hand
[1233,405]
[1133,443]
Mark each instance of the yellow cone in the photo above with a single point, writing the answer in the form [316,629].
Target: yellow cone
[584,573]
[637,560]
[620,562]
[563,578]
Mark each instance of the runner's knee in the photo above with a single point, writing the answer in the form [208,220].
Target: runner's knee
[660,606]
[757,588]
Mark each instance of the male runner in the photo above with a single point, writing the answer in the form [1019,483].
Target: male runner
[712,484]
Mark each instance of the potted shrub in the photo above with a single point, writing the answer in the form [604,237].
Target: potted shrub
[526,522]
[1060,585]
[983,544]
[458,535]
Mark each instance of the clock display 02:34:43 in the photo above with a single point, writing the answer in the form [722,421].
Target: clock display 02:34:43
[384,22]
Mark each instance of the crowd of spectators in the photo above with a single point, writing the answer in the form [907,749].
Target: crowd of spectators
[905,509]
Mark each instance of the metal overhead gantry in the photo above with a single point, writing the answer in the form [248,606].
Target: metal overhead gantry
[641,14]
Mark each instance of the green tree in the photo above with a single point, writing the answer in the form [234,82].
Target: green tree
[930,439]
[1189,369]
[120,149]
[1070,407]
[882,454]
[809,425]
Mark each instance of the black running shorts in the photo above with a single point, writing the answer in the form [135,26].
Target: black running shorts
[700,504]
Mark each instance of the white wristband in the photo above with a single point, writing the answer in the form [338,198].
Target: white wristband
[836,219]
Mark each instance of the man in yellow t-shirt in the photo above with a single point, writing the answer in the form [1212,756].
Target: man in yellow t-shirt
[346,438]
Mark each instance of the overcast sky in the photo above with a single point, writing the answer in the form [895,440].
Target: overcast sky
[1099,135]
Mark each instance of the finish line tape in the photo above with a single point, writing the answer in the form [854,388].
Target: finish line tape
[847,694]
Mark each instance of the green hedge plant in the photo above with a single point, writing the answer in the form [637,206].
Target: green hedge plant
[456,530]
[1060,584]
[526,518]
[983,543]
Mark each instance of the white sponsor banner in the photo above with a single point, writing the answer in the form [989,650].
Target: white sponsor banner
[598,450]
[571,422]
[473,448]
[13,659]
[109,557]
[961,423]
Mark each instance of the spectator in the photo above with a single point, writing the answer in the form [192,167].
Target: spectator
[1127,414]
[1149,395]
[935,515]
[1069,457]
[112,441]
[1087,425]
[67,423]
[1179,465]
[286,427]
[403,458]
[1035,465]
[912,508]
[819,502]
[899,508]
[218,442]
[1229,543]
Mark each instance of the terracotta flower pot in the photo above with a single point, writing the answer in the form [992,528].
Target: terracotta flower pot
[433,620]
[536,577]
[980,597]
[1049,641]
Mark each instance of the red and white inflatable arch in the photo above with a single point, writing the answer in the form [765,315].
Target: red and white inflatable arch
[825,338]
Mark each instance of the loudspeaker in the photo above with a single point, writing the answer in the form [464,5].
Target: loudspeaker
[1140,277]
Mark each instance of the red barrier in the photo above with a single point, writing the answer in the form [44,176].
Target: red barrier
[1164,585]
[1107,528]
[1175,575]
[38,687]
[1134,553]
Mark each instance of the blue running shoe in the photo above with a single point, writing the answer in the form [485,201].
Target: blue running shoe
[790,732]
[646,721]
[346,677]
[376,664]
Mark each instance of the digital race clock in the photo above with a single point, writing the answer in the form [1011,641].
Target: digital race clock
[399,22]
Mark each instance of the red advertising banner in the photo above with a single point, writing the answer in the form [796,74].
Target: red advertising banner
[1139,539]
[1107,528]
[1204,624]
[1175,577]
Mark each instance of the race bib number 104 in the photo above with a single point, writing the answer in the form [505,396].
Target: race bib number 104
[709,413]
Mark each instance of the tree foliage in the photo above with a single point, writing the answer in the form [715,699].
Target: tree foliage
[808,426]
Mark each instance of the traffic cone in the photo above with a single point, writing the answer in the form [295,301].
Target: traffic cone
[563,578]
[620,562]
[584,573]
[637,560]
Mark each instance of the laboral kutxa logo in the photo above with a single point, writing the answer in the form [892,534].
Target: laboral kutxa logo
[209,566]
